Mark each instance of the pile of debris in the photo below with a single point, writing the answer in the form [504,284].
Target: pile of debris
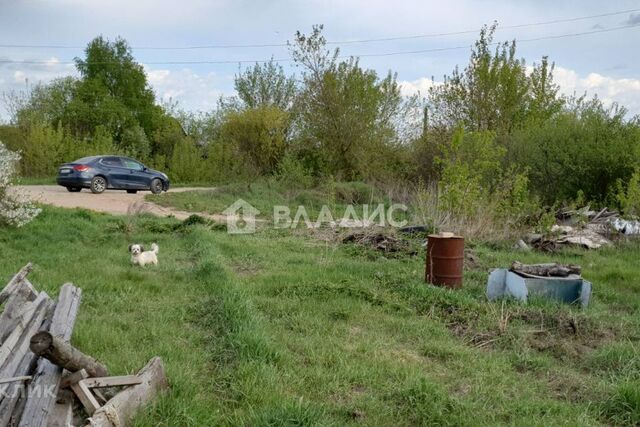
[42,376]
[379,239]
[583,227]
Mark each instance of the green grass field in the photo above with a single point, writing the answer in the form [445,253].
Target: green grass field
[264,195]
[282,328]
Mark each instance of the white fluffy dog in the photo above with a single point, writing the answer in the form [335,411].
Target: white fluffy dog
[141,257]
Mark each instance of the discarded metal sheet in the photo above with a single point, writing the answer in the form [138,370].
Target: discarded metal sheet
[504,283]
[626,227]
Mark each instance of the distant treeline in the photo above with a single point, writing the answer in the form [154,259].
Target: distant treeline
[496,127]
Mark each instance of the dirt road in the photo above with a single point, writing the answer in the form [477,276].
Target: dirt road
[111,201]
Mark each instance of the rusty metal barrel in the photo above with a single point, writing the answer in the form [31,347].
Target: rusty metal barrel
[445,259]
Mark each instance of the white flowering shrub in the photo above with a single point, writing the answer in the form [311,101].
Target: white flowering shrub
[14,210]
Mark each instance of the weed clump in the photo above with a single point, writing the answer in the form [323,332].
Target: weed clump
[623,404]
[425,403]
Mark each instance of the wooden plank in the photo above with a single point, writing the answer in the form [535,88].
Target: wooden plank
[14,309]
[103,382]
[15,379]
[48,375]
[21,333]
[6,349]
[62,413]
[64,318]
[20,361]
[73,378]
[19,277]
[121,409]
[87,399]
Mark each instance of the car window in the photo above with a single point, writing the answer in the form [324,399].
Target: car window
[112,162]
[132,164]
[85,159]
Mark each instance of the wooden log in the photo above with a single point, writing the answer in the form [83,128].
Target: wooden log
[48,375]
[550,269]
[15,280]
[65,355]
[16,304]
[120,410]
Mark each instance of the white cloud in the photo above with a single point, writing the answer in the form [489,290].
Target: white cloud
[19,77]
[191,90]
[624,91]
[420,86]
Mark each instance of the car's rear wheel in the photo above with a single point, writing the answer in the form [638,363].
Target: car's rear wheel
[156,186]
[74,189]
[132,191]
[98,184]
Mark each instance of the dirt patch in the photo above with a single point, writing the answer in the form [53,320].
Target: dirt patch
[111,201]
[563,334]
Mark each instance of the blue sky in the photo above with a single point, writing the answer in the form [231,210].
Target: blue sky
[605,63]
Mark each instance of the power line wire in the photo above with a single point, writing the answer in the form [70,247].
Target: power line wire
[558,36]
[502,27]
[344,42]
[244,61]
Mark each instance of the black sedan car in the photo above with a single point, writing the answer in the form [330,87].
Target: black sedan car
[99,173]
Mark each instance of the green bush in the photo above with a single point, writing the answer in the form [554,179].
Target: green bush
[588,148]
[258,134]
[628,197]
[43,150]
[473,177]
[186,163]
[292,174]
[354,192]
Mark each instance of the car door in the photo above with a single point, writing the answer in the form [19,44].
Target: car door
[138,177]
[116,173]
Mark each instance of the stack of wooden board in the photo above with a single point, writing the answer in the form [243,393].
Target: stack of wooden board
[29,388]
[42,375]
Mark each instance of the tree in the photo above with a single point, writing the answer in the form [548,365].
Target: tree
[586,148]
[113,82]
[186,162]
[494,92]
[544,101]
[266,85]
[260,135]
[43,103]
[13,210]
[135,143]
[345,114]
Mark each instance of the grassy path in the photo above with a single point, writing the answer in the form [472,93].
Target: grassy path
[274,329]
